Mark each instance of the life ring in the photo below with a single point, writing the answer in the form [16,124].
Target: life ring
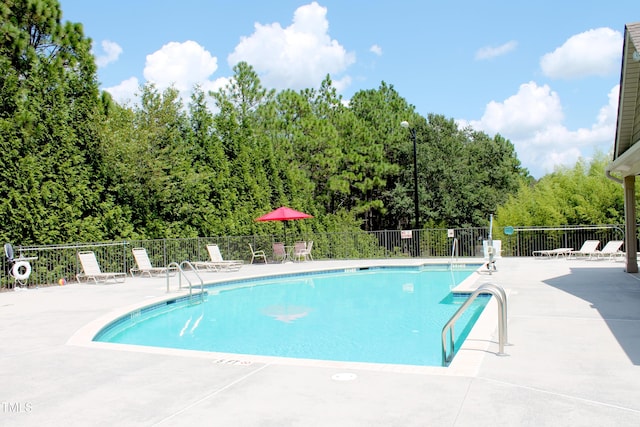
[21,270]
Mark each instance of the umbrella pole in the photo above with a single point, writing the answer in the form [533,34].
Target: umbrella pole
[285,232]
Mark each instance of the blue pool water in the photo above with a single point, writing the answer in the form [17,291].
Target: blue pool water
[381,315]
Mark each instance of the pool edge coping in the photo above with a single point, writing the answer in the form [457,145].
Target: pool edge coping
[466,362]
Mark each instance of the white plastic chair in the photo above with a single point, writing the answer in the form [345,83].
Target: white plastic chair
[257,254]
[304,251]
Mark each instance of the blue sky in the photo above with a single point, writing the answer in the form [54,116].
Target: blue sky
[545,75]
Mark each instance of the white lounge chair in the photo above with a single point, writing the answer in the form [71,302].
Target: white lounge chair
[217,263]
[144,266]
[610,250]
[552,253]
[91,270]
[589,247]
[216,256]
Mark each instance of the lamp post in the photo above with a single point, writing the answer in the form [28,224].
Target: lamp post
[416,206]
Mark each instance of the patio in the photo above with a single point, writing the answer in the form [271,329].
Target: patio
[575,360]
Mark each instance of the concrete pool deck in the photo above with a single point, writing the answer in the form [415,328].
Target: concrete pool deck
[574,326]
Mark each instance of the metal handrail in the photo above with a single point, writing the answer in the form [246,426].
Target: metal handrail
[501,298]
[503,311]
[454,249]
[180,269]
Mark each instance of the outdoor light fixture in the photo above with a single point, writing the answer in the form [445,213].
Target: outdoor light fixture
[405,124]
[636,56]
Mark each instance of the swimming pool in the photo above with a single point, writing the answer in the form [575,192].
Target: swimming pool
[391,315]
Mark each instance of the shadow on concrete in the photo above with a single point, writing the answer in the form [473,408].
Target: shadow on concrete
[615,295]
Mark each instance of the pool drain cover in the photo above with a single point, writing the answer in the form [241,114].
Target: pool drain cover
[345,376]
[231,362]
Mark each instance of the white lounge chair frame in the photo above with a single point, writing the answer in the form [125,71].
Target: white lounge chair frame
[92,272]
[144,266]
[553,253]
[216,256]
[588,249]
[611,250]
[217,263]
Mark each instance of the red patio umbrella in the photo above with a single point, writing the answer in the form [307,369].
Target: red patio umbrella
[284,213]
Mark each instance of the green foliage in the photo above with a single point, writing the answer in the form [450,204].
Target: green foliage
[47,127]
[577,196]
[77,166]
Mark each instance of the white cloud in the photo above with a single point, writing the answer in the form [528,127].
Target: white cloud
[341,84]
[532,120]
[215,85]
[375,49]
[182,65]
[112,51]
[533,107]
[488,52]
[296,57]
[125,92]
[608,115]
[594,52]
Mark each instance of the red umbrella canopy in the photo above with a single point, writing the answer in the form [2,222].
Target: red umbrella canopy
[283,214]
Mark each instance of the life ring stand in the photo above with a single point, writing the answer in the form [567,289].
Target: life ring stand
[21,270]
[18,268]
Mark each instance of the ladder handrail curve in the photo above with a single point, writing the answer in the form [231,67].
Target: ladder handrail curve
[503,308]
[188,263]
[454,249]
[501,299]
[179,268]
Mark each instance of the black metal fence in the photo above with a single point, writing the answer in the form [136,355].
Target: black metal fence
[60,262]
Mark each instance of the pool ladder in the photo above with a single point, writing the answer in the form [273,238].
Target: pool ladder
[454,262]
[454,250]
[174,266]
[501,298]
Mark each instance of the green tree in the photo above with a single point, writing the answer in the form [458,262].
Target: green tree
[236,126]
[213,200]
[581,195]
[161,172]
[492,173]
[78,166]
[380,113]
[48,132]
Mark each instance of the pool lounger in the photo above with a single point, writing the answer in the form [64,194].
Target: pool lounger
[552,253]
